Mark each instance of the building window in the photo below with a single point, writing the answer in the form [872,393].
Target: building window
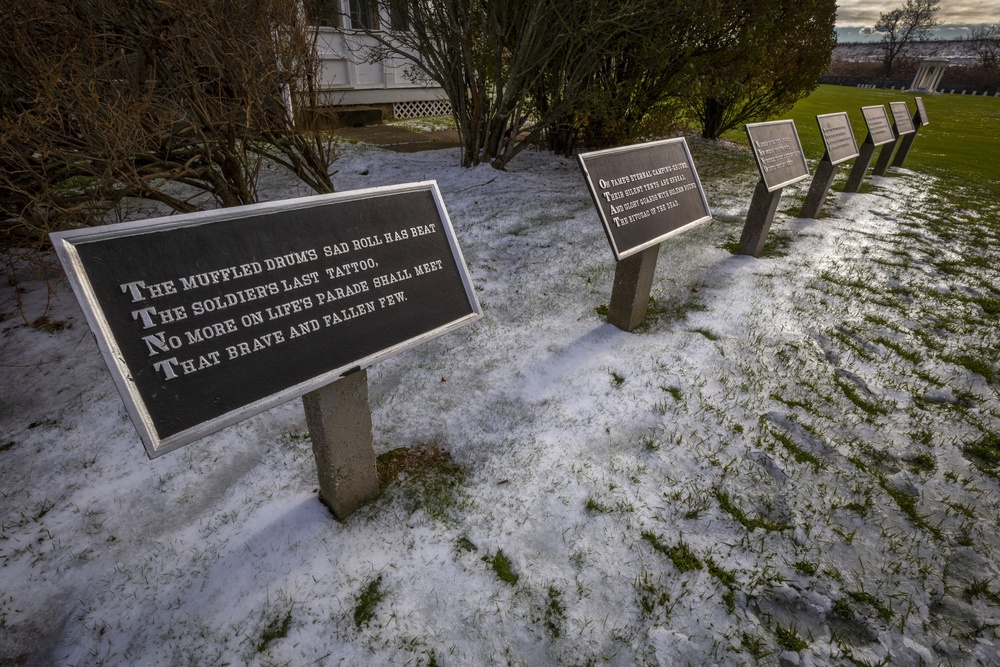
[364,14]
[324,12]
[399,18]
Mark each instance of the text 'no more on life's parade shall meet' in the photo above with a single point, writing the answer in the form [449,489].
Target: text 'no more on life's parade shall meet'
[214,318]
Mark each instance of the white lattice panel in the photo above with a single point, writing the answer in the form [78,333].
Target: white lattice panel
[421,108]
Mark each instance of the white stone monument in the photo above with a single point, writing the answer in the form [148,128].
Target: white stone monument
[929,74]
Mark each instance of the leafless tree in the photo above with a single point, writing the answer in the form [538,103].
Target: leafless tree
[904,25]
[985,41]
[164,100]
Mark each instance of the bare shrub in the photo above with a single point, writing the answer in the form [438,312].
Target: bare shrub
[162,100]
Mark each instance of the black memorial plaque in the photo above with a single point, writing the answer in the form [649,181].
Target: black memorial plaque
[208,318]
[778,152]
[645,193]
[838,137]
[921,110]
[901,114]
[878,124]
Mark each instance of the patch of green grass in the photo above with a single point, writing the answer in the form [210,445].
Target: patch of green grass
[651,597]
[465,544]
[800,455]
[793,403]
[750,523]
[904,501]
[976,365]
[842,607]
[850,390]
[923,463]
[674,391]
[909,354]
[502,567]
[680,554]
[806,568]
[673,311]
[885,613]
[755,646]
[707,333]
[617,379]
[963,509]
[776,245]
[366,601]
[555,613]
[789,638]
[423,476]
[728,580]
[594,506]
[861,509]
[990,305]
[985,453]
[276,629]
[981,589]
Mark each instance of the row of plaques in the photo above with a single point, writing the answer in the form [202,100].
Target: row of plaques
[778,152]
[208,318]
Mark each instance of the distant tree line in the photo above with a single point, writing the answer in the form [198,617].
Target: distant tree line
[911,23]
[600,73]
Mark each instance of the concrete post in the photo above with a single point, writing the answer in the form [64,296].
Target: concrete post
[759,218]
[904,145]
[630,292]
[860,168]
[825,171]
[885,157]
[340,426]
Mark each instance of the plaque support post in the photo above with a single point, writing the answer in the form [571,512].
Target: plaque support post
[906,142]
[885,157]
[340,427]
[825,171]
[861,164]
[630,292]
[762,209]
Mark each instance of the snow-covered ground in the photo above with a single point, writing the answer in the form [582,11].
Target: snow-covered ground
[793,462]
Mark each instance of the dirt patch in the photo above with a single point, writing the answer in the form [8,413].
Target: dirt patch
[401,139]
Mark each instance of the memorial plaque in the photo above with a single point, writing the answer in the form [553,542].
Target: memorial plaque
[208,318]
[901,114]
[778,153]
[921,110]
[645,193]
[878,123]
[838,137]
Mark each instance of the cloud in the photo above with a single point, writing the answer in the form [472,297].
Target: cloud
[865,13]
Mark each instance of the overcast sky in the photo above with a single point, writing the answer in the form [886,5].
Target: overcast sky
[865,12]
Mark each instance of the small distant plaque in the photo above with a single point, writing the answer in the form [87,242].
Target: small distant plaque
[879,126]
[208,318]
[838,137]
[901,114]
[645,193]
[778,152]
[921,110]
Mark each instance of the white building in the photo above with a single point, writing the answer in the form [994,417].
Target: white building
[347,78]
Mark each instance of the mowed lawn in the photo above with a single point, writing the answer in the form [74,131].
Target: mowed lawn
[960,144]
